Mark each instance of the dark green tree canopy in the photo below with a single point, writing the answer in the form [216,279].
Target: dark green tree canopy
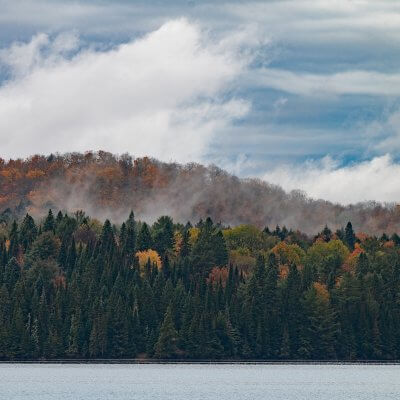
[78,289]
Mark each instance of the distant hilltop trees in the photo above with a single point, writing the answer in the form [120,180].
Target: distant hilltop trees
[108,186]
[74,287]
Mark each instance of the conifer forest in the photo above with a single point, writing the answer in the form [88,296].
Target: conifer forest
[72,287]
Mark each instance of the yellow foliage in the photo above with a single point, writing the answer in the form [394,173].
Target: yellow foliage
[178,239]
[145,255]
[194,234]
[246,236]
[319,252]
[242,260]
[95,225]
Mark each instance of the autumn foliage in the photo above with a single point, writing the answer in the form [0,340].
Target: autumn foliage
[148,256]
[110,186]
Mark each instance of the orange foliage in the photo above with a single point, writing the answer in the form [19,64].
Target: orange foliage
[322,291]
[149,172]
[34,174]
[11,174]
[283,271]
[350,262]
[389,244]
[110,185]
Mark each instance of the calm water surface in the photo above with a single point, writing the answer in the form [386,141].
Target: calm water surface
[199,382]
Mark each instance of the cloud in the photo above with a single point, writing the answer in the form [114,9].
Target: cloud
[304,78]
[376,179]
[21,58]
[309,84]
[163,95]
[321,20]
[384,135]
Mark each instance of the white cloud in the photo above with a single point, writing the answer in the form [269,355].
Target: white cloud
[162,95]
[376,179]
[21,58]
[347,82]
[384,135]
[321,20]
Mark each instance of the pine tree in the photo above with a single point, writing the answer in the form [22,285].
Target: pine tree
[14,240]
[71,257]
[49,223]
[167,340]
[221,252]
[90,299]
[130,242]
[186,247]
[28,232]
[144,239]
[163,230]
[349,236]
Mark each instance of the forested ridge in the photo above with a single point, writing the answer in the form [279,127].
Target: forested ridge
[109,186]
[73,287]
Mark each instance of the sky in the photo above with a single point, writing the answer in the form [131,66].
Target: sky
[301,93]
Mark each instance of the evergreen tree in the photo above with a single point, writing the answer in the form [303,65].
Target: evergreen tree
[221,252]
[130,240]
[349,236]
[166,343]
[163,234]
[186,247]
[92,299]
[28,232]
[49,222]
[14,240]
[144,239]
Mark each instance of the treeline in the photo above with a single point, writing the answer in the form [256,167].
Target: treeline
[71,287]
[109,186]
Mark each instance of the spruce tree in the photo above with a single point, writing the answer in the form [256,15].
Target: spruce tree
[163,234]
[144,239]
[14,240]
[349,236]
[28,232]
[49,222]
[167,340]
[130,242]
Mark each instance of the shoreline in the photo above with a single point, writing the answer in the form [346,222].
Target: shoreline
[203,362]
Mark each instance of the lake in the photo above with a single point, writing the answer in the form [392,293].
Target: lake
[198,382]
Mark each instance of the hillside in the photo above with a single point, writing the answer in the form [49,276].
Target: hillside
[73,288]
[109,186]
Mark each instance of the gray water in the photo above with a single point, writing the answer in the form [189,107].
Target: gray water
[199,382]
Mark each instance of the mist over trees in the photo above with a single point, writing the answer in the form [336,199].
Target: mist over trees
[74,287]
[109,186]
